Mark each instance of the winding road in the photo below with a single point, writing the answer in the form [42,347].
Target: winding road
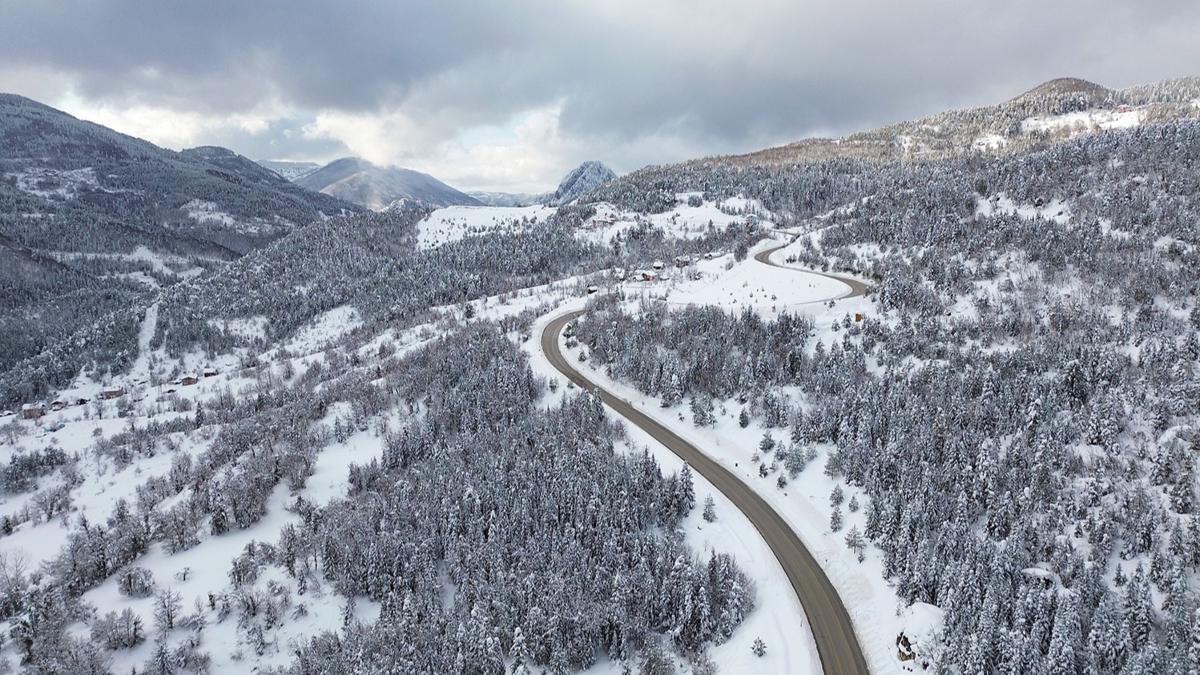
[857,288]
[837,645]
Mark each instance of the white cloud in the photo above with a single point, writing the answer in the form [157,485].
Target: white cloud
[168,127]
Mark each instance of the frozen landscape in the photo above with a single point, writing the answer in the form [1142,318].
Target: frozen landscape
[854,355]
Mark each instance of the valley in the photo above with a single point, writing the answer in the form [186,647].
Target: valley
[918,399]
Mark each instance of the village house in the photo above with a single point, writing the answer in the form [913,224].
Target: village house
[58,404]
[189,379]
[32,411]
[112,392]
[210,372]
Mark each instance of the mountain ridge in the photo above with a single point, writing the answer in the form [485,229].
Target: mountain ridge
[375,187]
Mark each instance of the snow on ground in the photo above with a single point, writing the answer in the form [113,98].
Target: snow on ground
[878,615]
[203,569]
[778,617]
[804,504]
[1083,121]
[684,221]
[322,329]
[203,211]
[1001,204]
[989,142]
[453,223]
[250,327]
[163,263]
[747,284]
[56,183]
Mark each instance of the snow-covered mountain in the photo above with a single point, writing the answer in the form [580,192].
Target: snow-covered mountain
[577,181]
[375,187]
[1055,110]
[581,179]
[93,221]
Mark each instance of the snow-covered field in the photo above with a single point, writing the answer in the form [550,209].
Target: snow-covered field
[748,284]
[685,221]
[1001,204]
[453,223]
[1083,121]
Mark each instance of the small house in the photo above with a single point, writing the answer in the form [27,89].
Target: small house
[603,221]
[592,289]
[647,275]
[189,379]
[210,372]
[57,404]
[658,264]
[858,317]
[32,411]
[112,392]
[81,401]
[683,260]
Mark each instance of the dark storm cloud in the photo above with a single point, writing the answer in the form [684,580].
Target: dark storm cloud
[715,76]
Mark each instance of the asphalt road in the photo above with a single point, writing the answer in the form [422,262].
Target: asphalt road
[857,287]
[837,645]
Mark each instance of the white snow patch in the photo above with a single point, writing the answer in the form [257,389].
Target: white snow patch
[1055,210]
[253,327]
[1083,121]
[50,183]
[989,142]
[453,223]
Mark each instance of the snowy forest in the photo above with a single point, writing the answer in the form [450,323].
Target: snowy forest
[250,427]
[1026,398]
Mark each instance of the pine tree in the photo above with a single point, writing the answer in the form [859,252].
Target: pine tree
[1064,638]
[767,444]
[710,509]
[759,647]
[855,542]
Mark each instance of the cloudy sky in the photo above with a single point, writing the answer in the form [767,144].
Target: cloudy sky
[510,95]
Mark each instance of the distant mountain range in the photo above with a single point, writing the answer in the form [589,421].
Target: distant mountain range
[508,198]
[375,187]
[379,188]
[289,169]
[1053,110]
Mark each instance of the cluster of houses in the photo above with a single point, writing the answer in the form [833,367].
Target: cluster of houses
[657,271]
[33,411]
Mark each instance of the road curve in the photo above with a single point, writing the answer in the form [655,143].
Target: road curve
[857,288]
[837,645]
